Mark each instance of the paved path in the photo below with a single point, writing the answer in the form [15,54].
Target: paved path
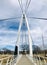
[24,61]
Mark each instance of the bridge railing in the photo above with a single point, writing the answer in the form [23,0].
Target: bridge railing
[10,60]
[6,60]
[38,60]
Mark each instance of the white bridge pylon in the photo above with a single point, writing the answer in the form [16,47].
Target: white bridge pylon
[29,36]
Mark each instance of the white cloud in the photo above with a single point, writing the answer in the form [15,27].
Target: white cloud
[11,8]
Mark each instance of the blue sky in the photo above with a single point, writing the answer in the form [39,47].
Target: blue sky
[8,29]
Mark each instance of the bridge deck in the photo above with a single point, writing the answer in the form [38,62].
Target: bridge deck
[24,61]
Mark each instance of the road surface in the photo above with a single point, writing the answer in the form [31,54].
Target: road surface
[24,61]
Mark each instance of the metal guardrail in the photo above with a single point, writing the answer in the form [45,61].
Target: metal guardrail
[41,60]
[6,61]
[19,57]
[38,60]
[31,59]
[11,60]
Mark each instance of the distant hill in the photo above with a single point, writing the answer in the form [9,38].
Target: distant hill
[10,47]
[26,47]
[36,49]
[7,49]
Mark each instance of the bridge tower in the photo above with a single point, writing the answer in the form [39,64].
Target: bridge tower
[29,33]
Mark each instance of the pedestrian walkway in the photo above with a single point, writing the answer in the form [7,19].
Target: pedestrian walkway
[24,61]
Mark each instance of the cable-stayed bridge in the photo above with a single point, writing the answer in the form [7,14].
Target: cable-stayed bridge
[24,59]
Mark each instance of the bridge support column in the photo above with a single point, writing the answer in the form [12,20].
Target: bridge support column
[29,36]
[30,45]
[18,50]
